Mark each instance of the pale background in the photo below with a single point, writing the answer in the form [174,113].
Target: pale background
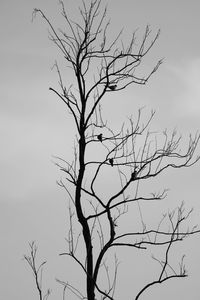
[34,126]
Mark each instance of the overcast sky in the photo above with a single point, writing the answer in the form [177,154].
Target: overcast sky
[34,126]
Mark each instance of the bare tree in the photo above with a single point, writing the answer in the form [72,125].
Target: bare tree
[133,153]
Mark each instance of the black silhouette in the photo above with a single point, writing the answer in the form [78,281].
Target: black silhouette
[134,175]
[112,87]
[111,161]
[99,136]
[114,67]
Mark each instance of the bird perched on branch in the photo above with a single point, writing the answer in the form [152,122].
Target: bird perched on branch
[99,136]
[112,87]
[111,161]
[134,175]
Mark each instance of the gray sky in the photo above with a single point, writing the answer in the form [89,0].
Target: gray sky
[34,126]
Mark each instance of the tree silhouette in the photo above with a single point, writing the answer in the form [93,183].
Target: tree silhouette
[101,66]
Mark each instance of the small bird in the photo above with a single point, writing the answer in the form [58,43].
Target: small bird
[111,161]
[112,87]
[99,136]
[134,175]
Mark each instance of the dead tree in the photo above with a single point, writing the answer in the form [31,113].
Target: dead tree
[102,67]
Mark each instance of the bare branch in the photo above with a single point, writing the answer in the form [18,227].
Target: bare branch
[37,270]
